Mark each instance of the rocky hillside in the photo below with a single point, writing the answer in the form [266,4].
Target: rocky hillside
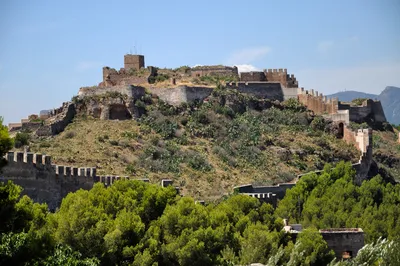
[208,148]
[390,98]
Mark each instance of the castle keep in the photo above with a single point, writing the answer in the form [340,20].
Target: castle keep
[135,62]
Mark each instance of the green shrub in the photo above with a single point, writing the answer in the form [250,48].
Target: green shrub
[129,135]
[318,123]
[294,105]
[130,169]
[356,126]
[197,161]
[358,101]
[140,104]
[21,139]
[44,145]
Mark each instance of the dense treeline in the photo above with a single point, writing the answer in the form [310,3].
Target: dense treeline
[332,200]
[135,223]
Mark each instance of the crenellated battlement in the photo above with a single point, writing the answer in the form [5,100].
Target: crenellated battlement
[317,102]
[43,161]
[49,183]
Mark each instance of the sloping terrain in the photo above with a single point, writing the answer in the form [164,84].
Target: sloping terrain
[386,147]
[208,148]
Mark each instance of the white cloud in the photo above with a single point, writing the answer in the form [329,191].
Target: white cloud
[247,68]
[248,55]
[86,65]
[324,46]
[369,78]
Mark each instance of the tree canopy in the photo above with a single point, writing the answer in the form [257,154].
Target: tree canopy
[136,223]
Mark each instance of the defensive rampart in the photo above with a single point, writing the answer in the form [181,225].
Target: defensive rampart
[130,91]
[200,71]
[43,181]
[268,194]
[49,183]
[112,77]
[361,139]
[271,75]
[369,111]
[317,102]
[345,242]
[264,90]
[180,94]
[58,122]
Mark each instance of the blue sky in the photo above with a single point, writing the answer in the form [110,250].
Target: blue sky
[49,49]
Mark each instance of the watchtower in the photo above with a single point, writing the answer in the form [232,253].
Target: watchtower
[133,61]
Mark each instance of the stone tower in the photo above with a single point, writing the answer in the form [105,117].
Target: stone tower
[133,61]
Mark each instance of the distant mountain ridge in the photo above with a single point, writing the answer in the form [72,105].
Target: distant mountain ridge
[389,97]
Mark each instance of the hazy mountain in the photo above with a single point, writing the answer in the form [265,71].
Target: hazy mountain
[390,98]
[347,96]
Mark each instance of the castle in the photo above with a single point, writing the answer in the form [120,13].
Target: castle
[126,86]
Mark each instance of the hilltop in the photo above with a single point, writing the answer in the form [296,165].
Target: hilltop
[206,129]
[206,148]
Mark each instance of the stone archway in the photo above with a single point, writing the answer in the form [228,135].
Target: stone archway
[119,112]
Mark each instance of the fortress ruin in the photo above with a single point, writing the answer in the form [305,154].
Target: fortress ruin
[116,95]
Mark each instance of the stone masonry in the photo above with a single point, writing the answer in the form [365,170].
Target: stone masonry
[345,242]
[48,183]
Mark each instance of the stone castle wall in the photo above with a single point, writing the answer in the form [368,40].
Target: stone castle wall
[214,71]
[57,123]
[265,90]
[253,76]
[112,77]
[179,94]
[271,75]
[131,91]
[368,110]
[317,102]
[48,183]
[43,181]
[345,242]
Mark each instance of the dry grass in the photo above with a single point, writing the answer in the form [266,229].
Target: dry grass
[112,145]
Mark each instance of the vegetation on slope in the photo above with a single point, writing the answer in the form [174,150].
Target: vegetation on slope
[206,148]
[386,147]
[136,223]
